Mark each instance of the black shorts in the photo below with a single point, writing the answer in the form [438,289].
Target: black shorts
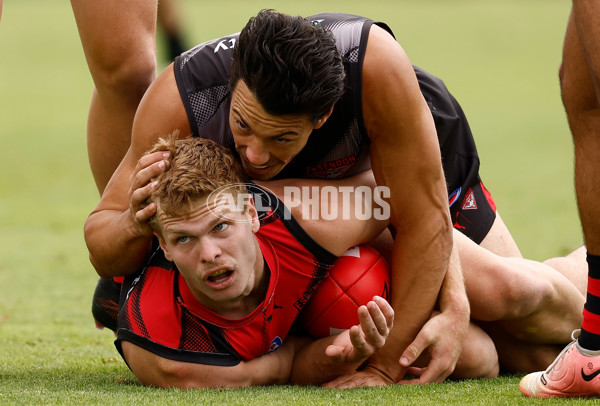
[471,206]
[473,211]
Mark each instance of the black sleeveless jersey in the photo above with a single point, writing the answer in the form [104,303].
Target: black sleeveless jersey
[340,147]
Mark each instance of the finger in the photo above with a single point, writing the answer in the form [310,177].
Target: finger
[148,169]
[415,371]
[410,382]
[334,351]
[386,309]
[145,175]
[356,379]
[144,214]
[368,325]
[141,194]
[435,372]
[339,382]
[360,344]
[414,350]
[378,317]
[150,159]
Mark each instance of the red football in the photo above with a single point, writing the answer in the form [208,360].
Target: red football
[358,275]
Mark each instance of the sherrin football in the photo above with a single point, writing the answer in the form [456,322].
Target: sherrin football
[358,275]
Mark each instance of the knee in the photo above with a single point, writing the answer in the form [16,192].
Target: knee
[479,358]
[518,296]
[124,72]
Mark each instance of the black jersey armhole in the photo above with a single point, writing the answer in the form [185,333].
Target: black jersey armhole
[195,357]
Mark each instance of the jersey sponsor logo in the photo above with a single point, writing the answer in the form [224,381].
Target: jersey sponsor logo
[275,344]
[454,197]
[315,22]
[331,169]
[469,203]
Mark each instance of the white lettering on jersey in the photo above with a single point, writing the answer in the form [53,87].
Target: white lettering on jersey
[222,45]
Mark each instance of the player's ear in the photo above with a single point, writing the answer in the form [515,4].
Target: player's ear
[253,215]
[163,246]
[323,119]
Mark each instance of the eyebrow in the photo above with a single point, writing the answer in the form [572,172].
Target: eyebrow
[241,118]
[216,218]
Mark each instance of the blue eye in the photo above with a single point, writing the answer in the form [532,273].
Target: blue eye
[183,239]
[221,226]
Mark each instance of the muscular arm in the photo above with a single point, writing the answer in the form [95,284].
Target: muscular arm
[350,229]
[298,360]
[152,370]
[116,232]
[444,333]
[406,158]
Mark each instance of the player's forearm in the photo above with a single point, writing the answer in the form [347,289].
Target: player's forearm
[313,367]
[273,368]
[417,276]
[453,296]
[115,247]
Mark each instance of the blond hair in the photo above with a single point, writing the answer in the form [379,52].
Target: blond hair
[196,168]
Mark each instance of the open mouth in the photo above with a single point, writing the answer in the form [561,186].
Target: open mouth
[220,276]
[258,166]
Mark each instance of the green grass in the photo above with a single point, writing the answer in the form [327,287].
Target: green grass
[499,58]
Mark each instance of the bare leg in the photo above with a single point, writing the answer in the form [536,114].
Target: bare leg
[118,38]
[500,241]
[580,86]
[572,267]
[531,300]
[516,356]
[478,358]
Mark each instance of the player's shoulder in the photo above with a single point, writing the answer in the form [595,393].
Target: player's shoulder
[206,64]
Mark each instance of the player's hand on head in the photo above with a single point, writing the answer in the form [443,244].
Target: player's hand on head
[361,341]
[441,340]
[140,187]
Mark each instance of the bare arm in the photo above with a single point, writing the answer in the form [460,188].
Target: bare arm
[406,158]
[269,369]
[350,229]
[298,360]
[116,232]
[444,334]
[327,358]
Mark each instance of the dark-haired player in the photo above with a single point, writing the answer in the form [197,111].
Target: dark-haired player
[329,96]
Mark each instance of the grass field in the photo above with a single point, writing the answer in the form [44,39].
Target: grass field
[500,59]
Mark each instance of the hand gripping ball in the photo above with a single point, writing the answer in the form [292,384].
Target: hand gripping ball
[358,275]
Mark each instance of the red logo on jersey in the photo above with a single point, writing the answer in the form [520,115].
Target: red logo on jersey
[332,169]
[469,203]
